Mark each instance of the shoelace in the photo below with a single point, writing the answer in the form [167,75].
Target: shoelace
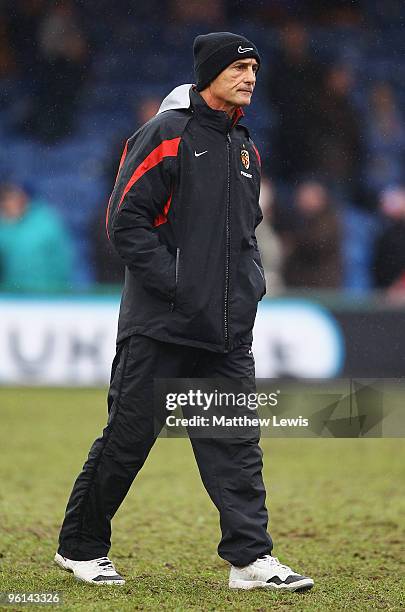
[105,563]
[274,561]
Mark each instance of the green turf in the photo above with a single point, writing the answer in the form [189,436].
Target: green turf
[337,511]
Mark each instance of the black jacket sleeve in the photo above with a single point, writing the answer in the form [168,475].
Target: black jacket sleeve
[142,191]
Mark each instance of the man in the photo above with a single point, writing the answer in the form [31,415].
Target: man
[182,216]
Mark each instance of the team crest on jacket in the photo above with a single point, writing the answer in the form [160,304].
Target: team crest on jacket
[244,155]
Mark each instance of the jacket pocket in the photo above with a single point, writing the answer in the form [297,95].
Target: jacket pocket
[260,272]
[177,268]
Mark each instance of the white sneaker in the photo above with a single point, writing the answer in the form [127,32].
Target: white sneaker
[96,571]
[268,572]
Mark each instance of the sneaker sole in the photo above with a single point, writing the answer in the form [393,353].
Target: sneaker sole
[101,582]
[299,586]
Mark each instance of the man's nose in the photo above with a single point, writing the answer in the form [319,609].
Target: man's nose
[250,76]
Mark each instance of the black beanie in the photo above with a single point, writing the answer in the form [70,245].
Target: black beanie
[214,52]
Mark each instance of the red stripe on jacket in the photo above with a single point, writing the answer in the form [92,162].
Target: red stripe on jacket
[257,154]
[238,114]
[167,148]
[162,218]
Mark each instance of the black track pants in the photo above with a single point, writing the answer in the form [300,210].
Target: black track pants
[230,468]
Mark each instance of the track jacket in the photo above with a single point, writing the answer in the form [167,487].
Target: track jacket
[182,216]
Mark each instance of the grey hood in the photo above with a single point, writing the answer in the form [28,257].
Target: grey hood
[178,98]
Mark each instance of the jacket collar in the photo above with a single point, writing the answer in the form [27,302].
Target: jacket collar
[218,120]
[187,97]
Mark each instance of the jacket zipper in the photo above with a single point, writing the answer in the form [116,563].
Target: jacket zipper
[228,246]
[172,304]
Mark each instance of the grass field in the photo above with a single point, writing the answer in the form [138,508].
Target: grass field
[337,511]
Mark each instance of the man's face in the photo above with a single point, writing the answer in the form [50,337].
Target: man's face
[311,198]
[236,83]
[13,202]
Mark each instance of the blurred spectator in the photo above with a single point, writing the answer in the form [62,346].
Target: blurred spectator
[35,250]
[338,153]
[389,264]
[61,71]
[385,138]
[108,265]
[359,231]
[7,59]
[195,11]
[327,12]
[23,18]
[333,12]
[269,242]
[313,243]
[294,90]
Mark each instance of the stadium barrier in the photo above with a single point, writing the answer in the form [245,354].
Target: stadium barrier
[70,340]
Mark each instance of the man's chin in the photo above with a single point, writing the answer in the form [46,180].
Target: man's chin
[244,100]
